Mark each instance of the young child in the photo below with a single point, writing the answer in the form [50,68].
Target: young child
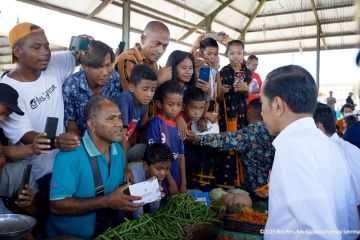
[232,97]
[252,64]
[156,164]
[163,128]
[133,106]
[209,50]
[199,160]
[253,143]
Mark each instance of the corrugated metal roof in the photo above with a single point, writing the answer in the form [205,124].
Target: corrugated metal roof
[277,26]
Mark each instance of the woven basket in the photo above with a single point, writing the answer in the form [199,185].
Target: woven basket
[241,226]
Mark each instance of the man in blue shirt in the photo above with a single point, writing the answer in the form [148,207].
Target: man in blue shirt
[74,203]
[96,78]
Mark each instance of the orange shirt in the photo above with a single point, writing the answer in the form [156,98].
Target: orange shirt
[127,61]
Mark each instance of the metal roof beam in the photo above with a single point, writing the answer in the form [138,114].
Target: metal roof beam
[344,5]
[207,19]
[294,50]
[318,23]
[84,16]
[236,10]
[340,34]
[322,22]
[251,19]
[100,7]
[194,11]
[161,13]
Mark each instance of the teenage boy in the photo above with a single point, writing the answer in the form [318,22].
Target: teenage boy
[97,77]
[304,196]
[162,128]
[133,105]
[156,165]
[253,142]
[38,78]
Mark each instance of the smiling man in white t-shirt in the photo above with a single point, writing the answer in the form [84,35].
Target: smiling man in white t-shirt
[38,78]
[310,195]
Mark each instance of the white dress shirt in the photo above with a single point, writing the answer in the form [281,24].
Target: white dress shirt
[310,195]
[352,154]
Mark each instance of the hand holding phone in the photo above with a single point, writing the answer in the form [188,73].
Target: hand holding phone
[216,36]
[80,44]
[25,178]
[50,129]
[204,73]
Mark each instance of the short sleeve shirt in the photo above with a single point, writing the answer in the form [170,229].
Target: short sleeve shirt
[161,130]
[77,93]
[73,177]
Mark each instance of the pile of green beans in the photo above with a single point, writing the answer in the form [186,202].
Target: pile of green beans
[179,211]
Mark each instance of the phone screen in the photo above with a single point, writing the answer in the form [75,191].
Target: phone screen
[239,76]
[204,73]
[50,129]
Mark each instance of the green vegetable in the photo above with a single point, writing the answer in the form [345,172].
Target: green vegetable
[216,194]
[179,211]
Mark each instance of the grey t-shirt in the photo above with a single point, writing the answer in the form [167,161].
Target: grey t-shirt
[11,177]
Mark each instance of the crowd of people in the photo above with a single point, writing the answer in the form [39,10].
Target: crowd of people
[123,120]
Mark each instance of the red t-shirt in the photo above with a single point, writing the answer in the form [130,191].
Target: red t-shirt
[258,79]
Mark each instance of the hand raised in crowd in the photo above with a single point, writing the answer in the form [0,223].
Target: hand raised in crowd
[202,124]
[224,88]
[164,74]
[196,44]
[181,126]
[119,200]
[192,137]
[241,87]
[225,38]
[67,141]
[26,197]
[41,144]
[203,85]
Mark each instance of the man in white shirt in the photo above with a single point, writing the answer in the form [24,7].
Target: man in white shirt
[325,120]
[310,195]
[38,78]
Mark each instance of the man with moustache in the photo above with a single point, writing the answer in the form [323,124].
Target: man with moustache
[76,202]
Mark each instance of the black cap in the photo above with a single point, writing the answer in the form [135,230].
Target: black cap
[9,97]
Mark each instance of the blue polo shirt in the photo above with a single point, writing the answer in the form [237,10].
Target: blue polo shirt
[72,177]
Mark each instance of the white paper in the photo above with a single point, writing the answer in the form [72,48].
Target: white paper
[149,191]
[212,128]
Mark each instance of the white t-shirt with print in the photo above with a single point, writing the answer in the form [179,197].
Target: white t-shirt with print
[40,99]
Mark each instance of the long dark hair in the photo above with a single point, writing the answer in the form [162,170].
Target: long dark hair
[175,58]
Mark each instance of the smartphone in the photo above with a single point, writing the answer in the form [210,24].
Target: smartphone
[215,36]
[204,73]
[121,47]
[50,129]
[239,76]
[25,178]
[79,44]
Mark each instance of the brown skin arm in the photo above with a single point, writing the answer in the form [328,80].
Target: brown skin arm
[171,184]
[40,144]
[28,201]
[182,188]
[72,127]
[78,206]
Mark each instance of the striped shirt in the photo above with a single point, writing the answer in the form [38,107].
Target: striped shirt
[127,61]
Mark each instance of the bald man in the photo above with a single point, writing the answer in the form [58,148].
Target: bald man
[154,41]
